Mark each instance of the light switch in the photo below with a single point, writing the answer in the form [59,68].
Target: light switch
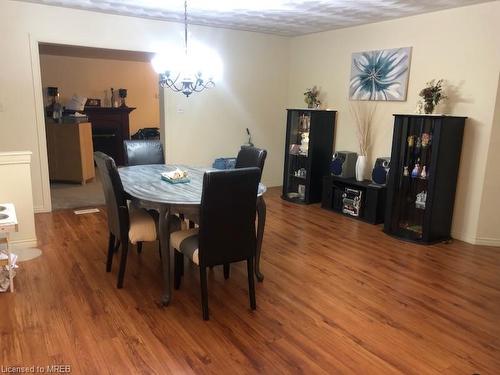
[180,108]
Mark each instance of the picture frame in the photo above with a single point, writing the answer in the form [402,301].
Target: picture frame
[93,102]
[380,75]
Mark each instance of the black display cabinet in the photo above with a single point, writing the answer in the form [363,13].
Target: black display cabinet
[423,176]
[308,153]
[371,202]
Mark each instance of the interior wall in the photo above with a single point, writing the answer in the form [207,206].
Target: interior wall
[15,188]
[488,232]
[94,77]
[459,45]
[251,95]
[252,92]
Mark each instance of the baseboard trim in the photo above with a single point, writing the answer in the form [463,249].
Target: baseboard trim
[486,241]
[41,210]
[19,244]
[464,237]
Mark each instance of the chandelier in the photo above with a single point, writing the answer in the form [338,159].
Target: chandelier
[186,71]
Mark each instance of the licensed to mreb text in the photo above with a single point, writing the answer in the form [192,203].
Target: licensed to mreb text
[48,369]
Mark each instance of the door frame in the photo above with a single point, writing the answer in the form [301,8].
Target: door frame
[34,42]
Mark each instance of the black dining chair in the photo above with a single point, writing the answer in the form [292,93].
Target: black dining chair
[143,151]
[226,193]
[248,157]
[251,157]
[126,222]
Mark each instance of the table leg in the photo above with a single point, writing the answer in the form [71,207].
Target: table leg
[261,223]
[164,229]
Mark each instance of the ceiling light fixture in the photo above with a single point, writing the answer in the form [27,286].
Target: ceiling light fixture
[187,71]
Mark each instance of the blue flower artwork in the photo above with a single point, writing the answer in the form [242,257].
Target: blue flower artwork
[380,75]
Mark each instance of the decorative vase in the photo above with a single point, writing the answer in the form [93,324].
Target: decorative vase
[310,105]
[429,107]
[361,164]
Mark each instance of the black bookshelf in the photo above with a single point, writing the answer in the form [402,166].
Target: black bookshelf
[433,142]
[307,163]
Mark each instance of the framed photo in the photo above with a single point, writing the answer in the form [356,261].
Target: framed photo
[380,75]
[93,103]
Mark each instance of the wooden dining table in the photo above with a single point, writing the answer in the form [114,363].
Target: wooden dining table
[144,185]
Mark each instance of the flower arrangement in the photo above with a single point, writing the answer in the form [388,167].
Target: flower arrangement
[311,97]
[432,94]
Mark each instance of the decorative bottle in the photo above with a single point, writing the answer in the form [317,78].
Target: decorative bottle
[57,109]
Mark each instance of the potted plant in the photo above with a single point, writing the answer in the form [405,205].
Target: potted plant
[432,94]
[311,97]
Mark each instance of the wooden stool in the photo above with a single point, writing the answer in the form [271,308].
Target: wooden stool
[8,224]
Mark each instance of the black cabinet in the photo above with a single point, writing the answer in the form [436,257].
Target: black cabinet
[423,176]
[110,127]
[369,204]
[308,152]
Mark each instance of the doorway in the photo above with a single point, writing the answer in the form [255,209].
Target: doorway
[94,98]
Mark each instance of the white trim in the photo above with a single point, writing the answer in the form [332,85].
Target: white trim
[486,241]
[15,157]
[40,210]
[40,123]
[21,244]
[463,237]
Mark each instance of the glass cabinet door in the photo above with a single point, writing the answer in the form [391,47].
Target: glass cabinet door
[296,168]
[412,176]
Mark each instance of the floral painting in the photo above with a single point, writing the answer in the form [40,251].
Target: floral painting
[380,75]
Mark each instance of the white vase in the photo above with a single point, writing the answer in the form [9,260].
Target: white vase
[361,164]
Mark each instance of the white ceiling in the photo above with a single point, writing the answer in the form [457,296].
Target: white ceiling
[281,17]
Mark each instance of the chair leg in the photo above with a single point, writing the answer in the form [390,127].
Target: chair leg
[111,250]
[178,267]
[226,271]
[204,292]
[123,264]
[139,247]
[117,245]
[251,283]
[159,248]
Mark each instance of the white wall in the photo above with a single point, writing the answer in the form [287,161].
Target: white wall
[252,93]
[15,187]
[460,45]
[489,219]
[93,78]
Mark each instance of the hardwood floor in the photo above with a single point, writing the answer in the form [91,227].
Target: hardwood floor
[338,296]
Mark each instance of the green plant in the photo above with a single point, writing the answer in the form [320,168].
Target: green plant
[311,97]
[432,94]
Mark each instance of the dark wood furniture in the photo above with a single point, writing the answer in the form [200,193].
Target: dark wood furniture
[372,198]
[70,151]
[433,142]
[313,160]
[110,127]
[218,241]
[143,183]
